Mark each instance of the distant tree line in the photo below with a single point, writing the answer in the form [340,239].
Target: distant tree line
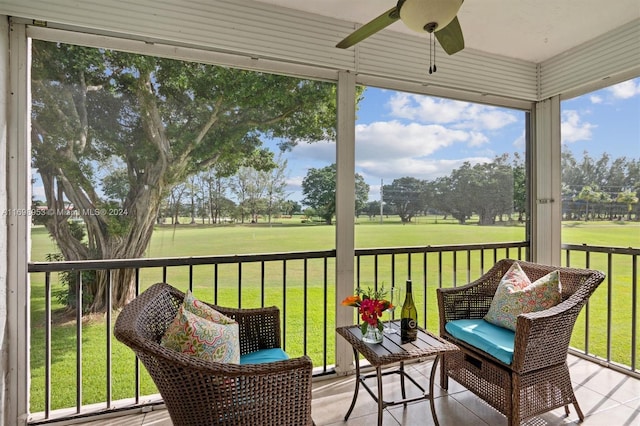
[493,192]
[212,196]
[602,189]
[496,191]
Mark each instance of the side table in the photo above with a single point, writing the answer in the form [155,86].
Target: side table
[391,351]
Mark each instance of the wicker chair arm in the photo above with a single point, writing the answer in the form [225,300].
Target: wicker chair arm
[542,338]
[471,301]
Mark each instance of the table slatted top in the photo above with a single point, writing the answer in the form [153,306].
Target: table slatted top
[391,349]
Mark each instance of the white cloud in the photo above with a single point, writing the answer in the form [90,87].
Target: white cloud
[467,115]
[391,150]
[294,181]
[573,129]
[626,89]
[595,99]
[478,139]
[317,152]
[427,138]
[521,141]
[420,168]
[426,109]
[391,139]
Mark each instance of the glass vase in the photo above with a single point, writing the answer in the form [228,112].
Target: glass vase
[372,335]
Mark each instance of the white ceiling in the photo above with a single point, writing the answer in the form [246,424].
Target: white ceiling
[532,30]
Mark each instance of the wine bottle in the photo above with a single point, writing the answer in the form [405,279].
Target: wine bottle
[409,318]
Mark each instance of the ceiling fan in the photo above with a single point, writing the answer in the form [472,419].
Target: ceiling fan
[432,16]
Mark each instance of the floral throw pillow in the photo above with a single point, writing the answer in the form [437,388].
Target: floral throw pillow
[203,310]
[516,295]
[197,336]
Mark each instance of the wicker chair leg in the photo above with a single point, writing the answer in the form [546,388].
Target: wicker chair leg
[578,410]
[572,396]
[444,379]
[514,418]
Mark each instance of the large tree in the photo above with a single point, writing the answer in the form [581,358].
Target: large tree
[163,120]
[407,195]
[486,189]
[319,189]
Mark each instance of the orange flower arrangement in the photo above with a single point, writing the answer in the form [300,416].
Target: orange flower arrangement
[371,304]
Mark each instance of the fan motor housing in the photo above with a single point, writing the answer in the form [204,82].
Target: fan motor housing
[428,15]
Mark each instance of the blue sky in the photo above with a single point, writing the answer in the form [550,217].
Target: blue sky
[400,134]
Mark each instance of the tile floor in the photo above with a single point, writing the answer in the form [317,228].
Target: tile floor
[607,398]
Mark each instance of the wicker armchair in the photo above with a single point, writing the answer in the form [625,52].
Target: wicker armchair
[538,379]
[199,392]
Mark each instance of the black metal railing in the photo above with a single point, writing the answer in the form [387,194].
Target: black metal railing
[608,325]
[273,278]
[302,284]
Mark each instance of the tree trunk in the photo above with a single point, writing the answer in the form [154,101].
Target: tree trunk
[137,219]
[122,283]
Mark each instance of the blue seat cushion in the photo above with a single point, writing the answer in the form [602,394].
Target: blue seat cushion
[264,355]
[492,339]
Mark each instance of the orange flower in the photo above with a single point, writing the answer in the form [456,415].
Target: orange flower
[352,301]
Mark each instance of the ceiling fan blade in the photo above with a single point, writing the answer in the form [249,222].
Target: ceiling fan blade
[450,37]
[370,28]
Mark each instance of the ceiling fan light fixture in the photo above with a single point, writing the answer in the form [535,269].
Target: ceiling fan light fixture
[418,14]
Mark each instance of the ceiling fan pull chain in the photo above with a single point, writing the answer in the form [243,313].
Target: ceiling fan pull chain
[430,57]
[434,54]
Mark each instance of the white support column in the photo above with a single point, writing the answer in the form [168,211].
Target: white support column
[5,381]
[345,212]
[546,197]
[17,251]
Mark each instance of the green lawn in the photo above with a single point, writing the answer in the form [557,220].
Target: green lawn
[292,235]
